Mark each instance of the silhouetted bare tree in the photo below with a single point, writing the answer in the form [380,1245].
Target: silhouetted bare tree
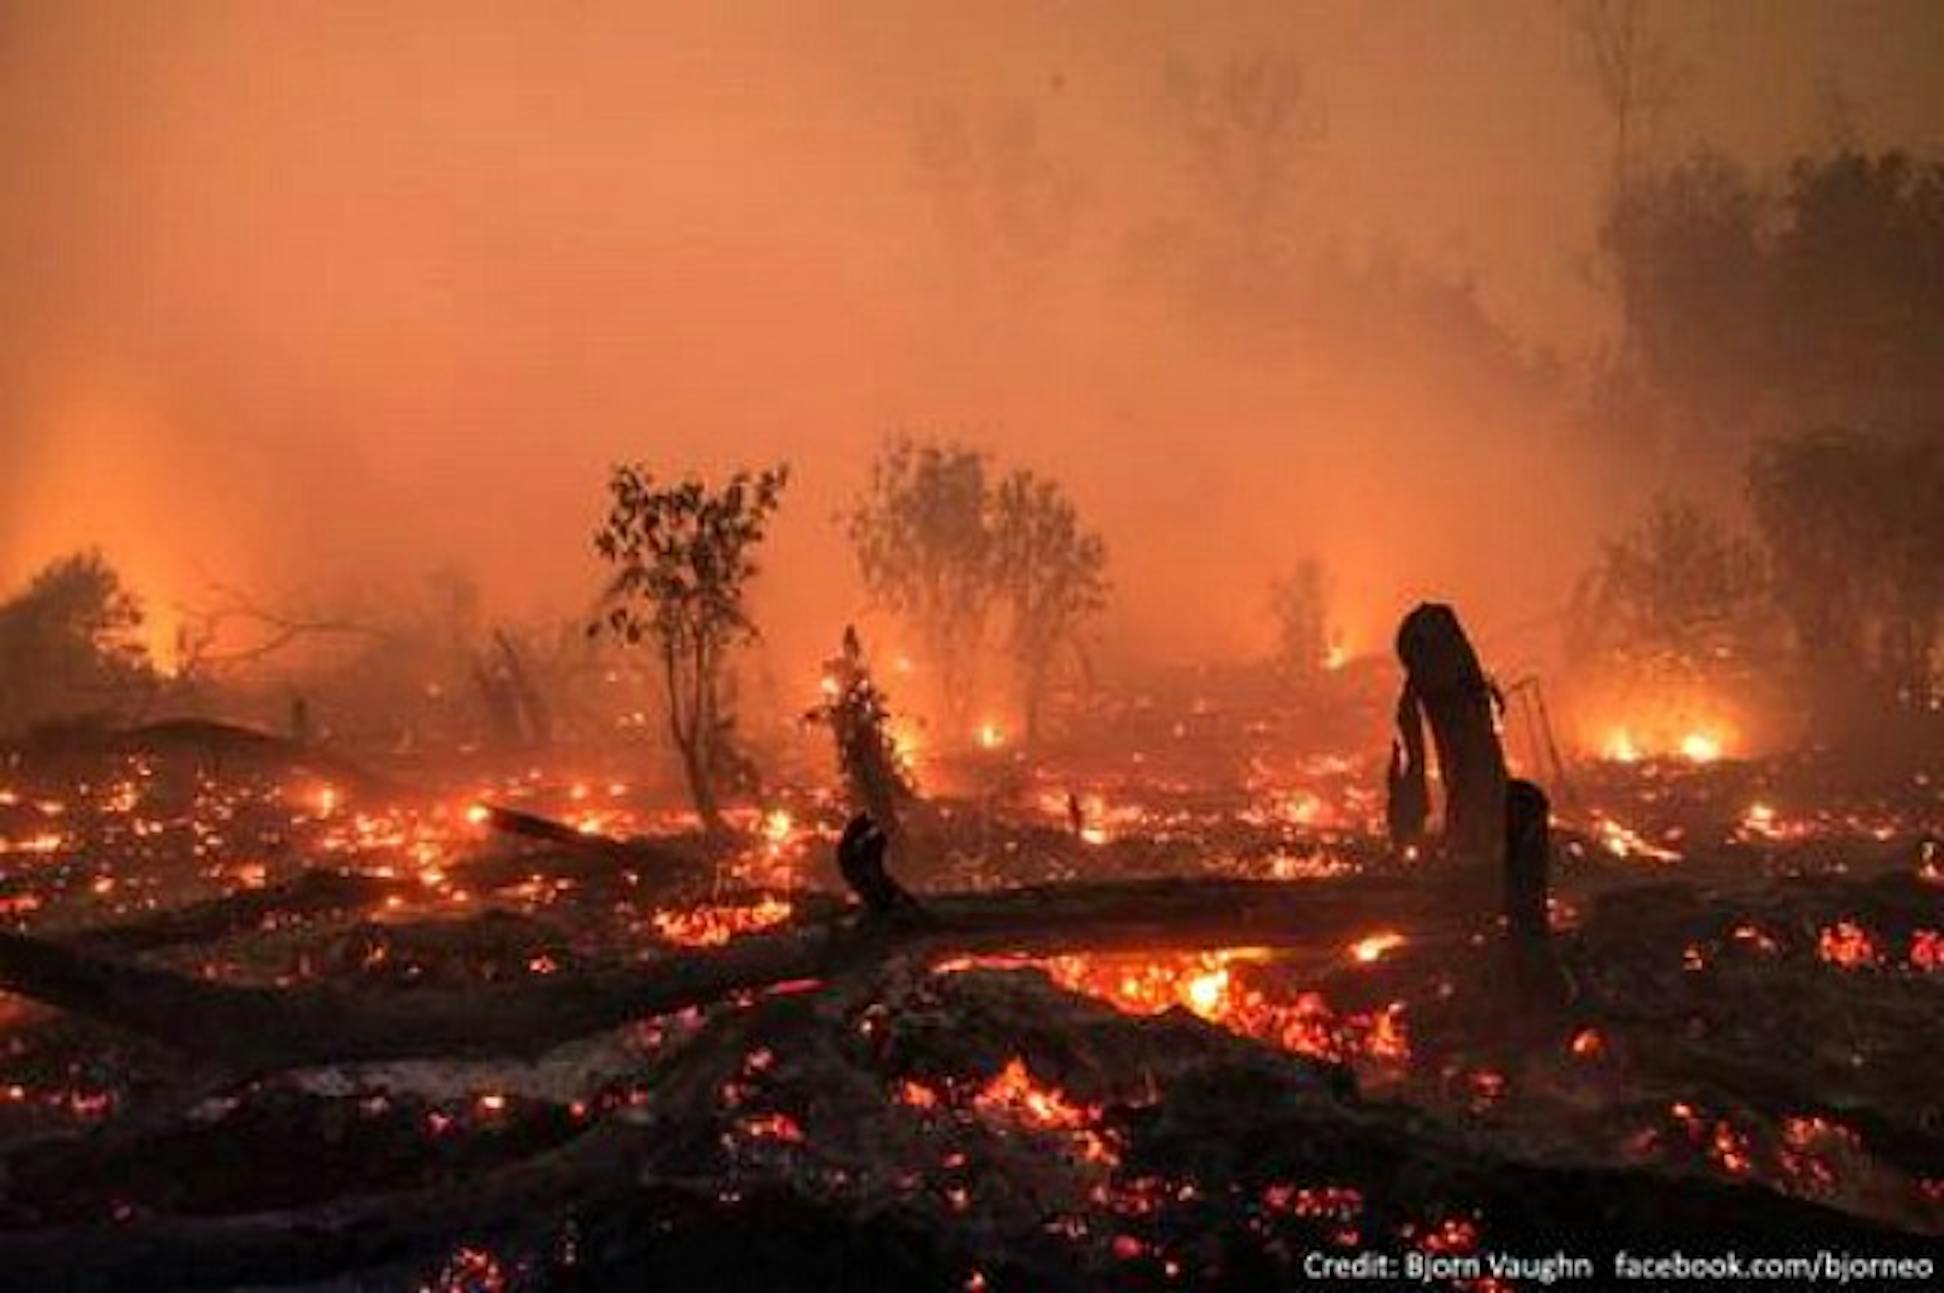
[925,550]
[683,556]
[1053,573]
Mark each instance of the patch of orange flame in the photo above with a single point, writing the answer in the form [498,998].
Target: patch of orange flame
[1206,984]
[1848,946]
[712,926]
[1372,947]
[1014,1095]
[1700,747]
[1697,745]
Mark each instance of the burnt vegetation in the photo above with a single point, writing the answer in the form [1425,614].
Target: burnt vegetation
[377,936]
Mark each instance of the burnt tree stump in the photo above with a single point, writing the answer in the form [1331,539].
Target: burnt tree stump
[1528,860]
[860,857]
[1528,846]
[1446,689]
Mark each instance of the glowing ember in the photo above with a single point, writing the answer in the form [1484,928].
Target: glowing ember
[469,1270]
[1848,946]
[1014,1095]
[1374,946]
[917,1095]
[1927,950]
[1207,992]
[777,825]
[1624,843]
[1340,1202]
[1754,938]
[1206,984]
[712,926]
[772,1126]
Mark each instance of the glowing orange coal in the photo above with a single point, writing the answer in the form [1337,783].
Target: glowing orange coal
[1214,986]
[712,926]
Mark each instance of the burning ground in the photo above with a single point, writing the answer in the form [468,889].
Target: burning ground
[284,1020]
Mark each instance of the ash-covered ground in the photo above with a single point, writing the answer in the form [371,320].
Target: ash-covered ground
[1744,1056]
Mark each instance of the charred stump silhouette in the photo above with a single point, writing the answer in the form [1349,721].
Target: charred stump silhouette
[860,856]
[1528,858]
[1446,688]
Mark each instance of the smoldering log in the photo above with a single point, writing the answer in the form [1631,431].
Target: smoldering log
[1446,688]
[656,862]
[308,894]
[259,1029]
[319,891]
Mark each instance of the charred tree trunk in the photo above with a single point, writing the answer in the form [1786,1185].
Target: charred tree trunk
[259,1029]
[1528,857]
[1445,687]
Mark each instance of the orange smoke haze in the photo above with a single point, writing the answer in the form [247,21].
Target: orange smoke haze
[304,295]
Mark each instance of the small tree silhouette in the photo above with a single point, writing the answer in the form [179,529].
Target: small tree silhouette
[925,551]
[70,645]
[683,558]
[1052,574]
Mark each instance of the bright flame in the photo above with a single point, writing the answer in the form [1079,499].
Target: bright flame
[1207,991]
[1620,747]
[1374,946]
[1700,747]
[991,736]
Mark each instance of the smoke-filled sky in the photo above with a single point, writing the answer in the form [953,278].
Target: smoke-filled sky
[302,295]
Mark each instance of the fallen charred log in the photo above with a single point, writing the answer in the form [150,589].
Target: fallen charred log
[310,893]
[257,1029]
[598,854]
